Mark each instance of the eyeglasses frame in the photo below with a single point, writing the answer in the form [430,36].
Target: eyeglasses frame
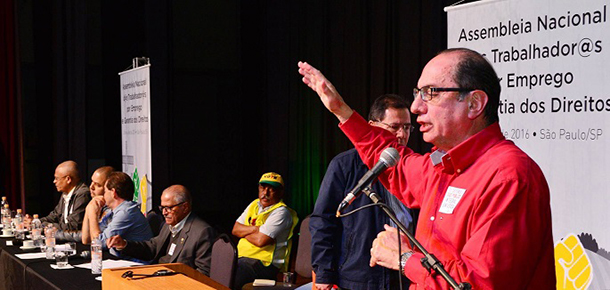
[427,96]
[410,130]
[171,207]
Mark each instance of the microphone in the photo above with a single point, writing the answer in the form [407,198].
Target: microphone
[85,254]
[389,157]
[162,272]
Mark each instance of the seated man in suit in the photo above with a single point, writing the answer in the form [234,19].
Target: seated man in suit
[185,238]
[69,212]
[127,220]
[264,229]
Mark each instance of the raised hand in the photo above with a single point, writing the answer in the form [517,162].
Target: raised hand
[573,266]
[325,89]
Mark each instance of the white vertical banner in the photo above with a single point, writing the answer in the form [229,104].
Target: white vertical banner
[552,58]
[136,134]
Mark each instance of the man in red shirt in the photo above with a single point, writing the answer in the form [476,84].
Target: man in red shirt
[485,205]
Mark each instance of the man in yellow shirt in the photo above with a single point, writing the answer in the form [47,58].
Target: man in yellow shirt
[264,229]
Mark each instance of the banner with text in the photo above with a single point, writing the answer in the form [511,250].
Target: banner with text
[135,129]
[552,57]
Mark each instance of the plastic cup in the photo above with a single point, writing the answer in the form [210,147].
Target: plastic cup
[61,259]
[288,278]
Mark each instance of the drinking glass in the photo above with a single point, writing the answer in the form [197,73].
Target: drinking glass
[61,259]
[288,278]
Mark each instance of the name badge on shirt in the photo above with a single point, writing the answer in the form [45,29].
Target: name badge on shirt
[452,198]
[171,249]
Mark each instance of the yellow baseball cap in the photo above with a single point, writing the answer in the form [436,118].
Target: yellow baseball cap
[272,179]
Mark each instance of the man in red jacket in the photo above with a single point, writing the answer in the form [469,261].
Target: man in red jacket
[485,205]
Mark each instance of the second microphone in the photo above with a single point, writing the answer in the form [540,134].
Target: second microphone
[388,158]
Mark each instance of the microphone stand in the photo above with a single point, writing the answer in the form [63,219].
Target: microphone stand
[429,261]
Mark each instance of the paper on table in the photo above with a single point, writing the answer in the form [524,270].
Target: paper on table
[54,266]
[9,243]
[109,264]
[263,282]
[63,247]
[30,256]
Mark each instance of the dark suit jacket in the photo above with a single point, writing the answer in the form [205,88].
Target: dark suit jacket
[78,203]
[194,246]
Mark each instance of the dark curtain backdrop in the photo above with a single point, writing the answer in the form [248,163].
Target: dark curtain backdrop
[366,48]
[227,101]
[10,154]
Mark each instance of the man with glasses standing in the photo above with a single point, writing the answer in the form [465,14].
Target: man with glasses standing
[485,205]
[69,212]
[185,238]
[340,247]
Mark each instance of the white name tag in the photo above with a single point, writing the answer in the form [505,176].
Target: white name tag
[171,249]
[452,198]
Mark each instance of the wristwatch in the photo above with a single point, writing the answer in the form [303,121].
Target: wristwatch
[403,260]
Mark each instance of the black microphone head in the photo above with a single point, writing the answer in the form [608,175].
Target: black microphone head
[85,254]
[389,156]
[127,274]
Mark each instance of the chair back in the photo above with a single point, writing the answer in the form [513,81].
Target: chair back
[224,260]
[303,260]
[155,221]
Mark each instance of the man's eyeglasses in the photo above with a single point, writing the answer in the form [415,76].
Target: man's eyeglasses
[58,178]
[396,127]
[169,208]
[427,93]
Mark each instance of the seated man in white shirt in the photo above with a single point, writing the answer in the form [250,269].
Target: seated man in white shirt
[264,229]
[69,212]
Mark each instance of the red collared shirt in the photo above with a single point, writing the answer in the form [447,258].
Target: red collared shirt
[485,209]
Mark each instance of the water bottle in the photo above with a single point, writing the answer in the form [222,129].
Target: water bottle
[96,256]
[49,234]
[37,231]
[18,222]
[6,216]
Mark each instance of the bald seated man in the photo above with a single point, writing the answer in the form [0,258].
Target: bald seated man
[69,212]
[185,238]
